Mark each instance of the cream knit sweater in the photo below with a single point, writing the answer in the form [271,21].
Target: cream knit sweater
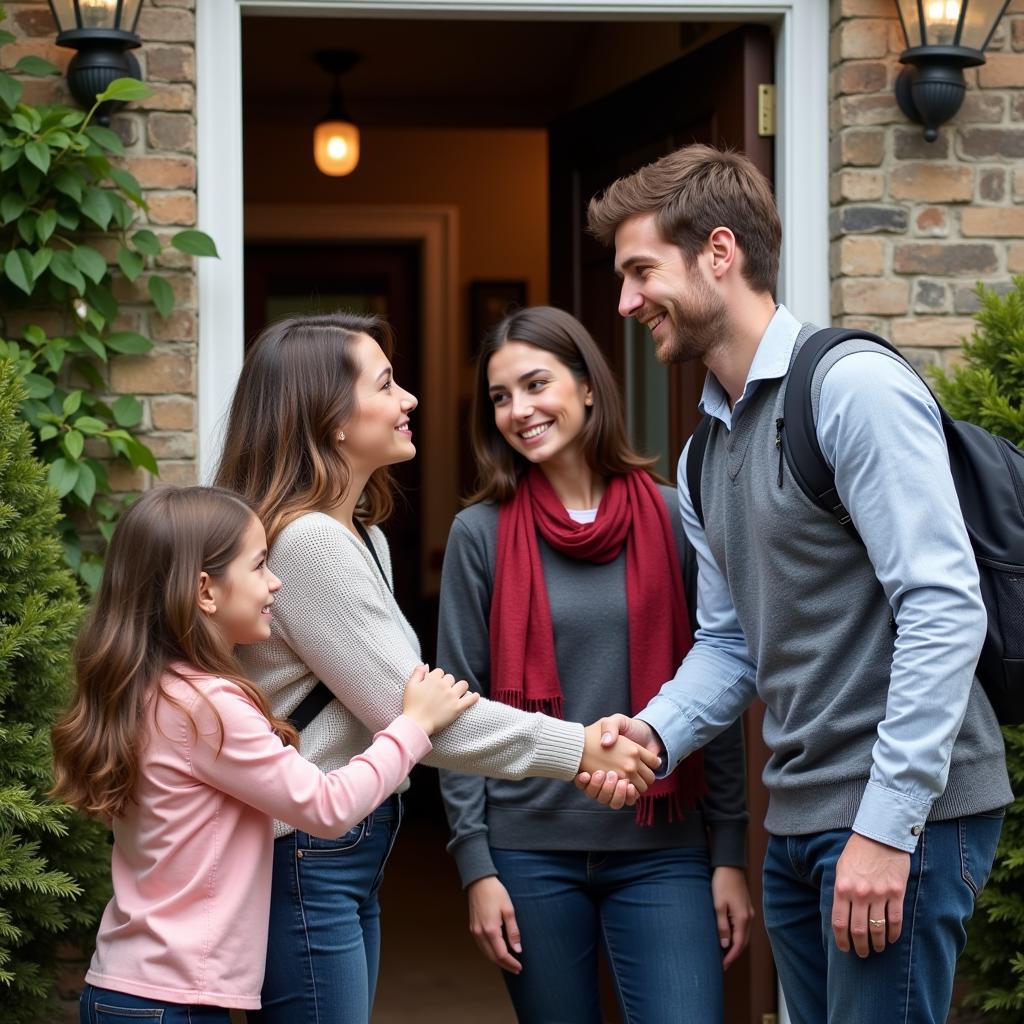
[336,620]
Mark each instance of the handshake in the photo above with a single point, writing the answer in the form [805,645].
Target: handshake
[620,757]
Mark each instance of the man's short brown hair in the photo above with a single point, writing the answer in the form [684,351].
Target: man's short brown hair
[691,192]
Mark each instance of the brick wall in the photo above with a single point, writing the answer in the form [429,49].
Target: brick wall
[915,224]
[159,137]
[160,141]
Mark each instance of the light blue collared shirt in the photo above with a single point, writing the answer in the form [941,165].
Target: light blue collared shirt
[908,516]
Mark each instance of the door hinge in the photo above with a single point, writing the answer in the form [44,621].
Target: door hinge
[766,122]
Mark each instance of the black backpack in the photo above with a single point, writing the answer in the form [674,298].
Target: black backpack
[988,473]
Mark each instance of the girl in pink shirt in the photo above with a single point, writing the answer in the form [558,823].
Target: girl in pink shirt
[168,741]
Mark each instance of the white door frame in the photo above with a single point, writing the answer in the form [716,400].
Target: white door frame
[801,74]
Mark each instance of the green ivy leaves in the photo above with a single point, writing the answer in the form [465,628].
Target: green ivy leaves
[36,66]
[146,242]
[59,194]
[161,294]
[10,91]
[131,263]
[195,243]
[125,90]
[19,269]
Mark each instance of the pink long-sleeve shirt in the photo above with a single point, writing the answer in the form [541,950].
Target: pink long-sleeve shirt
[192,857]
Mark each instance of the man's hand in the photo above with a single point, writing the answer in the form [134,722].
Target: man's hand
[492,920]
[607,787]
[871,881]
[733,910]
[625,768]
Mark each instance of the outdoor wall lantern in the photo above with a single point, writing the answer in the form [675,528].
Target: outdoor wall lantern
[943,37]
[336,138]
[102,31]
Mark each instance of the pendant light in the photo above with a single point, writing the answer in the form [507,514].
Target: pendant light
[336,138]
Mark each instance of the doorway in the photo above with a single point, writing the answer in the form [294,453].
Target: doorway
[580,157]
[801,64]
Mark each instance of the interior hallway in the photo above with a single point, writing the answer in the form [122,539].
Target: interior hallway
[448,987]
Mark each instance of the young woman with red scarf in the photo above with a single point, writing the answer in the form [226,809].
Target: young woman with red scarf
[563,591]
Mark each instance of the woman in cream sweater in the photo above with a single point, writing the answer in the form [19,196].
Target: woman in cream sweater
[316,419]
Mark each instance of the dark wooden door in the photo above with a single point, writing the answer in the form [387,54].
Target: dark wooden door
[709,96]
[281,279]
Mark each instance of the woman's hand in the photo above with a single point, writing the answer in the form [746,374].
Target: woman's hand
[434,699]
[618,772]
[606,787]
[492,921]
[733,910]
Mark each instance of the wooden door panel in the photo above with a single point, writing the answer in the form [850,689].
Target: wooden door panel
[709,96]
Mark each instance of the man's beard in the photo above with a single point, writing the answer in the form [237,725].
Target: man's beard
[697,328]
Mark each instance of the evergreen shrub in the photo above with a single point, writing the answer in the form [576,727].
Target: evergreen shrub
[54,865]
[987,388]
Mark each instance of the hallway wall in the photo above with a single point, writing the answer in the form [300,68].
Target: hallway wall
[496,178]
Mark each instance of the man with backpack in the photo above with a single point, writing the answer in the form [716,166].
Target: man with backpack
[860,630]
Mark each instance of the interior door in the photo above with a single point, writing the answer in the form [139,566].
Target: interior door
[708,96]
[384,279]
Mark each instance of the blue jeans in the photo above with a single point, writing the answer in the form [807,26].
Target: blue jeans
[104,1006]
[650,909]
[324,943]
[911,981]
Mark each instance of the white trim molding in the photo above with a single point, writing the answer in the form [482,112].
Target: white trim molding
[801,182]
[221,283]
[436,230]
[801,73]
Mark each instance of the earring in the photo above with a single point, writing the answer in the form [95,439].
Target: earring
[341,436]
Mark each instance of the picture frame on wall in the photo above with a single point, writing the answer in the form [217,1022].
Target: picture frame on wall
[489,303]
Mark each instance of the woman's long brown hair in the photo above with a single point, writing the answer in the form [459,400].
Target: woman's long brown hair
[145,617]
[603,438]
[295,392]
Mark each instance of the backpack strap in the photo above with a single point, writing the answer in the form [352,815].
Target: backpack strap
[800,445]
[310,706]
[320,696]
[365,534]
[695,464]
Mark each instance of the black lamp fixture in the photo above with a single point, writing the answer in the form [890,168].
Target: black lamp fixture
[336,137]
[943,37]
[103,33]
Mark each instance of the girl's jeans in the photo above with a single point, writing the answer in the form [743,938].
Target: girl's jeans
[104,1006]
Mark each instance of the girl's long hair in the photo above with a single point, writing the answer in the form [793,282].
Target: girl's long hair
[145,617]
[295,392]
[603,438]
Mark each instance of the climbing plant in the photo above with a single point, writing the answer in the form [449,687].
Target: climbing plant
[69,229]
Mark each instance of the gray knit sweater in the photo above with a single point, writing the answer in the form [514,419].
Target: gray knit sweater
[588,612]
[818,626]
[335,619]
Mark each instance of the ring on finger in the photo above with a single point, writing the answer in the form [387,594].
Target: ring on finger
[876,922]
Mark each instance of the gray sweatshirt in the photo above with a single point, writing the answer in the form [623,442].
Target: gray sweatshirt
[588,612]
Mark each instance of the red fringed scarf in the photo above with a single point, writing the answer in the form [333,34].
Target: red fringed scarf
[523,669]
